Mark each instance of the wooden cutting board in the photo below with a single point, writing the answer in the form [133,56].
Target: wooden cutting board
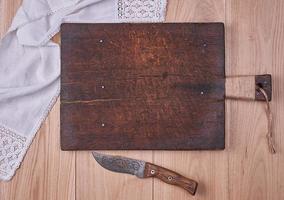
[142,86]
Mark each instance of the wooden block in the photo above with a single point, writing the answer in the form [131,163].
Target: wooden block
[142,86]
[265,82]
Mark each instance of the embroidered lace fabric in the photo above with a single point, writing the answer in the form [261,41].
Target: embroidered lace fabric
[12,145]
[30,66]
[141,10]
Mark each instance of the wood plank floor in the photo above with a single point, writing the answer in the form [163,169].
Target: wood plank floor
[245,170]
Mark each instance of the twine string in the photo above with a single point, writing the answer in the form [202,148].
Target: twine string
[269,135]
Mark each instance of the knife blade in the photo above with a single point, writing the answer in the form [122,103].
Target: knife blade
[143,169]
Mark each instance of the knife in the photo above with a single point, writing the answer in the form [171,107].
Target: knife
[143,169]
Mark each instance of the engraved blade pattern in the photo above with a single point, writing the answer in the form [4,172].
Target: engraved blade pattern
[121,164]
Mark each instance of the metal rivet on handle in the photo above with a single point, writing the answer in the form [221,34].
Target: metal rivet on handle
[170,178]
[152,171]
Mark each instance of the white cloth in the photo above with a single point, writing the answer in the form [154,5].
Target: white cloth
[30,63]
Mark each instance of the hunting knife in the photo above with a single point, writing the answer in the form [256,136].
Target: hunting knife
[143,169]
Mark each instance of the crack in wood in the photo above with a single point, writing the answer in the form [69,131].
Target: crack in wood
[89,101]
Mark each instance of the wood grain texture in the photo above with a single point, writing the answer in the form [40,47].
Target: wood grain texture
[255,40]
[209,169]
[46,172]
[243,87]
[170,177]
[246,87]
[145,86]
[245,170]
[95,182]
[7,12]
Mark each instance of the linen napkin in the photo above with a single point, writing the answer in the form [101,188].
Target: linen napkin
[30,63]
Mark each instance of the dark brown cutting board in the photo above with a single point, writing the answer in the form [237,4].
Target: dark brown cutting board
[142,86]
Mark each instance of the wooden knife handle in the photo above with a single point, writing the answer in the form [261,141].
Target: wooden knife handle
[246,87]
[170,177]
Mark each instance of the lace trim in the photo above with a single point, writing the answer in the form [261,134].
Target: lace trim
[141,10]
[12,145]
[7,174]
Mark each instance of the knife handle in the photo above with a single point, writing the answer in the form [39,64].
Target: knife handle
[170,177]
[246,87]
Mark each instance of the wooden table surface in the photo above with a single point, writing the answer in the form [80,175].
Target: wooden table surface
[245,170]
